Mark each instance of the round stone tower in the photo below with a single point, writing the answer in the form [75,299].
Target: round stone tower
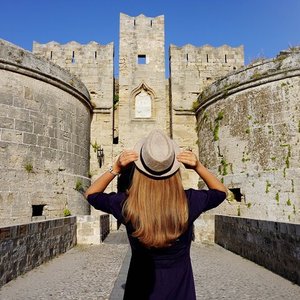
[45,116]
[249,134]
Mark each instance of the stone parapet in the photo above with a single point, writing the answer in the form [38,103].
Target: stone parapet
[92,229]
[26,246]
[273,245]
[18,60]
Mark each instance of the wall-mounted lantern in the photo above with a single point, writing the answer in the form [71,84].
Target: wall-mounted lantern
[100,156]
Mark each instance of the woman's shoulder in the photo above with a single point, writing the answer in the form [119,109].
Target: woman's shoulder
[194,193]
[108,202]
[202,200]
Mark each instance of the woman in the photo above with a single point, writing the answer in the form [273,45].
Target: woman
[158,214]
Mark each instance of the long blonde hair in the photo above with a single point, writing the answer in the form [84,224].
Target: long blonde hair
[157,209]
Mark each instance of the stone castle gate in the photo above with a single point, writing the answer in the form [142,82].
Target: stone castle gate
[86,112]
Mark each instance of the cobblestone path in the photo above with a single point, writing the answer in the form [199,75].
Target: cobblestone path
[98,272]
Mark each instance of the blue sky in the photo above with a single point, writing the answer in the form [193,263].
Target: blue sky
[264,27]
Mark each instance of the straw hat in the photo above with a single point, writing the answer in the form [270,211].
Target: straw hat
[157,155]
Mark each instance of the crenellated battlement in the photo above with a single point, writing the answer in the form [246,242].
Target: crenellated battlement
[133,23]
[208,54]
[72,52]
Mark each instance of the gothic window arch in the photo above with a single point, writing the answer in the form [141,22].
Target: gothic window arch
[142,102]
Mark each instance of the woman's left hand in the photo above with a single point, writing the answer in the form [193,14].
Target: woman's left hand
[188,158]
[124,159]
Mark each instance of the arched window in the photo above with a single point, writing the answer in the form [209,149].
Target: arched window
[143,105]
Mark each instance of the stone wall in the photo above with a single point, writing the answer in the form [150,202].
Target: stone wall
[91,63]
[194,68]
[204,228]
[249,135]
[191,70]
[45,117]
[24,247]
[274,245]
[93,229]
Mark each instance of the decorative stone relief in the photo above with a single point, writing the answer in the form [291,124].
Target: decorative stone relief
[143,105]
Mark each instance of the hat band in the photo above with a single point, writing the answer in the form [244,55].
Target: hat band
[158,173]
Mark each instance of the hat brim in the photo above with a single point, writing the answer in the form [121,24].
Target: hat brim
[176,164]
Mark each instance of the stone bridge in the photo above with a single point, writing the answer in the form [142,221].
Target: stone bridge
[99,272]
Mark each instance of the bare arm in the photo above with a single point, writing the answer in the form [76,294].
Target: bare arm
[104,180]
[190,160]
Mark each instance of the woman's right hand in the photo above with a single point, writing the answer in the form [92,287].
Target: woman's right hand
[124,159]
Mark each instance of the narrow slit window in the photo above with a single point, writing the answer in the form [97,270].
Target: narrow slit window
[142,59]
[237,194]
[51,54]
[73,57]
[95,54]
[134,23]
[37,210]
[151,23]
[187,57]
[206,57]
[225,59]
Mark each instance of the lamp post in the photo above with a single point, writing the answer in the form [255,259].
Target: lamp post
[100,156]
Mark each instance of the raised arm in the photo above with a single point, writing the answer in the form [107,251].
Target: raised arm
[103,181]
[190,160]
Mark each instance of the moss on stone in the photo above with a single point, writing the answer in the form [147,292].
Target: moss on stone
[268,185]
[277,198]
[195,105]
[217,125]
[224,167]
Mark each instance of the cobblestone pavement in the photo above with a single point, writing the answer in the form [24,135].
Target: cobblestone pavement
[96,272]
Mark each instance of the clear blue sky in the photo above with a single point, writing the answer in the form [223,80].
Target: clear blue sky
[264,27]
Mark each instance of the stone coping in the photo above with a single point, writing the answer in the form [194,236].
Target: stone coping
[18,60]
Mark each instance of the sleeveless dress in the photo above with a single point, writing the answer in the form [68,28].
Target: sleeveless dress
[160,273]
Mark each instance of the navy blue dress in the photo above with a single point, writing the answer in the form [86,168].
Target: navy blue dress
[160,273]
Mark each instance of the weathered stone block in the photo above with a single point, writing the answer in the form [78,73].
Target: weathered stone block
[29,138]
[11,136]
[24,126]
[6,98]
[7,122]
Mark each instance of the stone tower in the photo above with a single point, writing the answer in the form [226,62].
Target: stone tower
[250,122]
[45,116]
[143,99]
